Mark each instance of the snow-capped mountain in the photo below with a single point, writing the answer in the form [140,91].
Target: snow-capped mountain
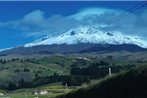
[83,39]
[89,34]
[83,32]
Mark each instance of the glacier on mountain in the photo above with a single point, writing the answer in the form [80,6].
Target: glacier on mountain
[89,34]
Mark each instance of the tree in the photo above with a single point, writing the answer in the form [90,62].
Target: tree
[12,86]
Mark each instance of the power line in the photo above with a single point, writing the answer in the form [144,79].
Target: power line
[131,10]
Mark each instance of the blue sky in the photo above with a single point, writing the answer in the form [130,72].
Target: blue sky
[23,22]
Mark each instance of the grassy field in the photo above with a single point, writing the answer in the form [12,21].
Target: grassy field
[52,89]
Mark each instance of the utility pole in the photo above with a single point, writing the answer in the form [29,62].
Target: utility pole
[66,87]
[110,73]
[26,93]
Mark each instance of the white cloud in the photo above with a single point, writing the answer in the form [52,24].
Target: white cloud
[92,12]
[36,24]
[34,17]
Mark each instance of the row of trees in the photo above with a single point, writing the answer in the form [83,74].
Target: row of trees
[3,61]
[38,81]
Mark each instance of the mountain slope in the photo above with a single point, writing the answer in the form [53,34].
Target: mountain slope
[73,48]
[131,84]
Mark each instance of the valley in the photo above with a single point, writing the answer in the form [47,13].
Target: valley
[51,73]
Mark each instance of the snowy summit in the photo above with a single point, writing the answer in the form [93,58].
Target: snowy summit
[90,34]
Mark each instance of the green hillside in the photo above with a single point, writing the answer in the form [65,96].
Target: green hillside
[128,84]
[72,69]
[23,75]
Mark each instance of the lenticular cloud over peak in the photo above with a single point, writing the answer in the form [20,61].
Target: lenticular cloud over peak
[92,11]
